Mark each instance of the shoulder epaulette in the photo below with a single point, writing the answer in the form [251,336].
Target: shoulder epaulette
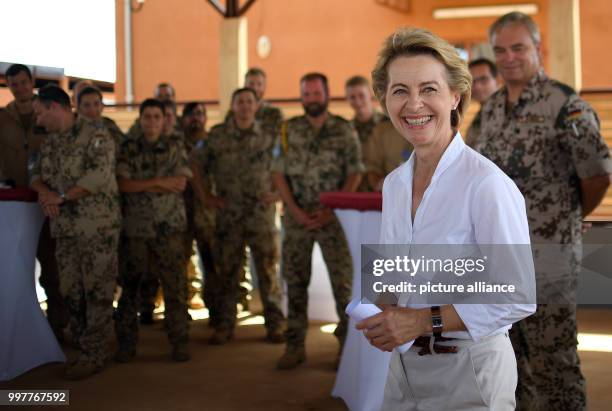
[567,90]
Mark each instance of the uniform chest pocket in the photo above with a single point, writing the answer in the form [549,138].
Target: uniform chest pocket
[73,160]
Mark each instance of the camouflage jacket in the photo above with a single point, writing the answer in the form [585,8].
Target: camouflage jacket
[270,118]
[317,161]
[364,130]
[84,156]
[148,214]
[473,130]
[18,143]
[238,162]
[385,150]
[546,143]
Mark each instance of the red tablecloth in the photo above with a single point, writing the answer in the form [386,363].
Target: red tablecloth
[355,201]
[18,194]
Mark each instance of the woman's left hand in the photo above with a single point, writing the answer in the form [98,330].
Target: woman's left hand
[395,326]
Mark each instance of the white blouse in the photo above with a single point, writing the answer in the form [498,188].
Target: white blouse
[469,201]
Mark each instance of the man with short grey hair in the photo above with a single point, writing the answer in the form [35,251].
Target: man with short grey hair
[547,139]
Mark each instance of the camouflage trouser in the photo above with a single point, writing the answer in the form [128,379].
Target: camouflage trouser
[57,311]
[297,261]
[201,226]
[88,273]
[232,235]
[549,368]
[164,256]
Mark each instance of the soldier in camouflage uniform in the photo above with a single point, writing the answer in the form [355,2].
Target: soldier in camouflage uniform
[20,139]
[200,219]
[237,157]
[149,284]
[359,95]
[270,119]
[163,92]
[89,105]
[540,133]
[152,172]
[484,84]
[87,100]
[319,152]
[75,180]
[384,152]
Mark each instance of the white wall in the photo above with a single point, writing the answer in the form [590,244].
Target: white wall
[77,35]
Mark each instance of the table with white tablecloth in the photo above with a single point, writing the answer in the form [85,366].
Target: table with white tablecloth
[363,369]
[26,339]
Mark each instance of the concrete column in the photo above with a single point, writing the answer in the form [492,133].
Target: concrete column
[564,42]
[234,58]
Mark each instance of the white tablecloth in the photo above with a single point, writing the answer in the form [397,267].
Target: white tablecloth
[362,374]
[26,340]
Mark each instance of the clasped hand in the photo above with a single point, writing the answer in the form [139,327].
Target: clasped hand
[49,202]
[315,220]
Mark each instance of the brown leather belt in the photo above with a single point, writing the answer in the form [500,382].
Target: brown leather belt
[424,343]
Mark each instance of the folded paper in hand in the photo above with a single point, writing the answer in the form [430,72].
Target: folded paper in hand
[359,311]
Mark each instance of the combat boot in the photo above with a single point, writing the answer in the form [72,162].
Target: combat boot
[180,352]
[221,336]
[293,356]
[275,336]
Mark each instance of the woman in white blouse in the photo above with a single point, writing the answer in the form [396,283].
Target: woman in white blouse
[445,194]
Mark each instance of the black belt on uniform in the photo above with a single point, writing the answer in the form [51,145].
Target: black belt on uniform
[425,344]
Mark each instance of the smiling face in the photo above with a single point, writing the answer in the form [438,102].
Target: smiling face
[360,99]
[516,55]
[419,100]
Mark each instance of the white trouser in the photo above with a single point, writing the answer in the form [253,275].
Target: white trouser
[480,376]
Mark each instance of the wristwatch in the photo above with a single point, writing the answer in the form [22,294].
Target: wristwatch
[436,321]
[63,196]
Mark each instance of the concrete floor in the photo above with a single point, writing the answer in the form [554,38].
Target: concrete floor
[241,374]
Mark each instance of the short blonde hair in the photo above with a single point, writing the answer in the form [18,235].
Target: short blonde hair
[413,42]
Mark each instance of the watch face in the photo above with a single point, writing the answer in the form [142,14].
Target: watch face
[436,322]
